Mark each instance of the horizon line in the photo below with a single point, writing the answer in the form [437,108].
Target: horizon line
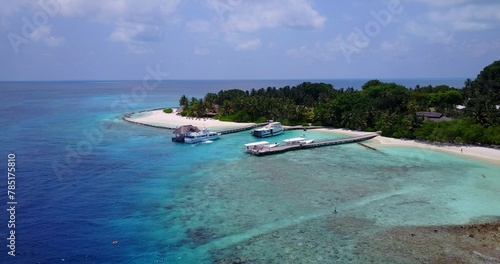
[264,79]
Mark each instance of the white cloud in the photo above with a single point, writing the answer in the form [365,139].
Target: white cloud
[250,16]
[135,20]
[241,43]
[240,20]
[481,48]
[443,2]
[468,17]
[43,34]
[249,45]
[108,11]
[111,10]
[398,46]
[199,26]
[429,33]
[137,48]
[318,51]
[461,15]
[201,51]
[8,8]
[127,32]
[303,52]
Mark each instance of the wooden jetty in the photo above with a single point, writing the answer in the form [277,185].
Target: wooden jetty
[281,149]
[301,127]
[236,130]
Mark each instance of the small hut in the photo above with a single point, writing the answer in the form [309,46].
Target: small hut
[433,116]
[182,131]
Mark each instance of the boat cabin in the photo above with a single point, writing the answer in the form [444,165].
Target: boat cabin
[271,129]
[256,145]
[293,141]
[181,132]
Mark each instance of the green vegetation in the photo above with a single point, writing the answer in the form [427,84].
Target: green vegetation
[168,110]
[378,106]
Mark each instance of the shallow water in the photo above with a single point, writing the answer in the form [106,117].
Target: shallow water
[251,198]
[180,203]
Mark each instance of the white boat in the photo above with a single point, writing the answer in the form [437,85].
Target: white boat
[256,145]
[273,145]
[292,141]
[200,136]
[298,140]
[271,129]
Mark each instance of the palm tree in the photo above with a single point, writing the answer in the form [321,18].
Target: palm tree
[346,119]
[413,122]
[184,102]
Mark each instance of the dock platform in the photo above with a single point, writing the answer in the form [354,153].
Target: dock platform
[236,130]
[285,148]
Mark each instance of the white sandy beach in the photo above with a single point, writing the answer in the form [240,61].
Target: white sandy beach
[159,118]
[481,153]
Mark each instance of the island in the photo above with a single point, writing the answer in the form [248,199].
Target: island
[463,121]
[467,115]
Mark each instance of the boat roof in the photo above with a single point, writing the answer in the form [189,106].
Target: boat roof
[186,129]
[294,139]
[256,143]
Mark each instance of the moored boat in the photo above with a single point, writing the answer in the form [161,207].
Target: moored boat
[273,145]
[298,140]
[271,129]
[256,145]
[200,136]
[292,141]
[181,132]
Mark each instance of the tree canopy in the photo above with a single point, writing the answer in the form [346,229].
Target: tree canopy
[378,106]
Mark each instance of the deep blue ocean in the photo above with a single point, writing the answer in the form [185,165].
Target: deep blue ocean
[85,178]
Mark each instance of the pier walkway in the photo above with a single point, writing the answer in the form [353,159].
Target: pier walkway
[236,130]
[229,131]
[281,149]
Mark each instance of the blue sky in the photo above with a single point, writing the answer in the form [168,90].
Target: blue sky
[247,39]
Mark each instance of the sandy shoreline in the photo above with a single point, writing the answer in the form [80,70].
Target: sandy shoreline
[479,153]
[172,121]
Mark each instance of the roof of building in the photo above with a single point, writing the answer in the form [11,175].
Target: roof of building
[429,114]
[433,116]
[186,129]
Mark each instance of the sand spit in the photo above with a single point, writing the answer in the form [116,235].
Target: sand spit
[173,120]
[480,153]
